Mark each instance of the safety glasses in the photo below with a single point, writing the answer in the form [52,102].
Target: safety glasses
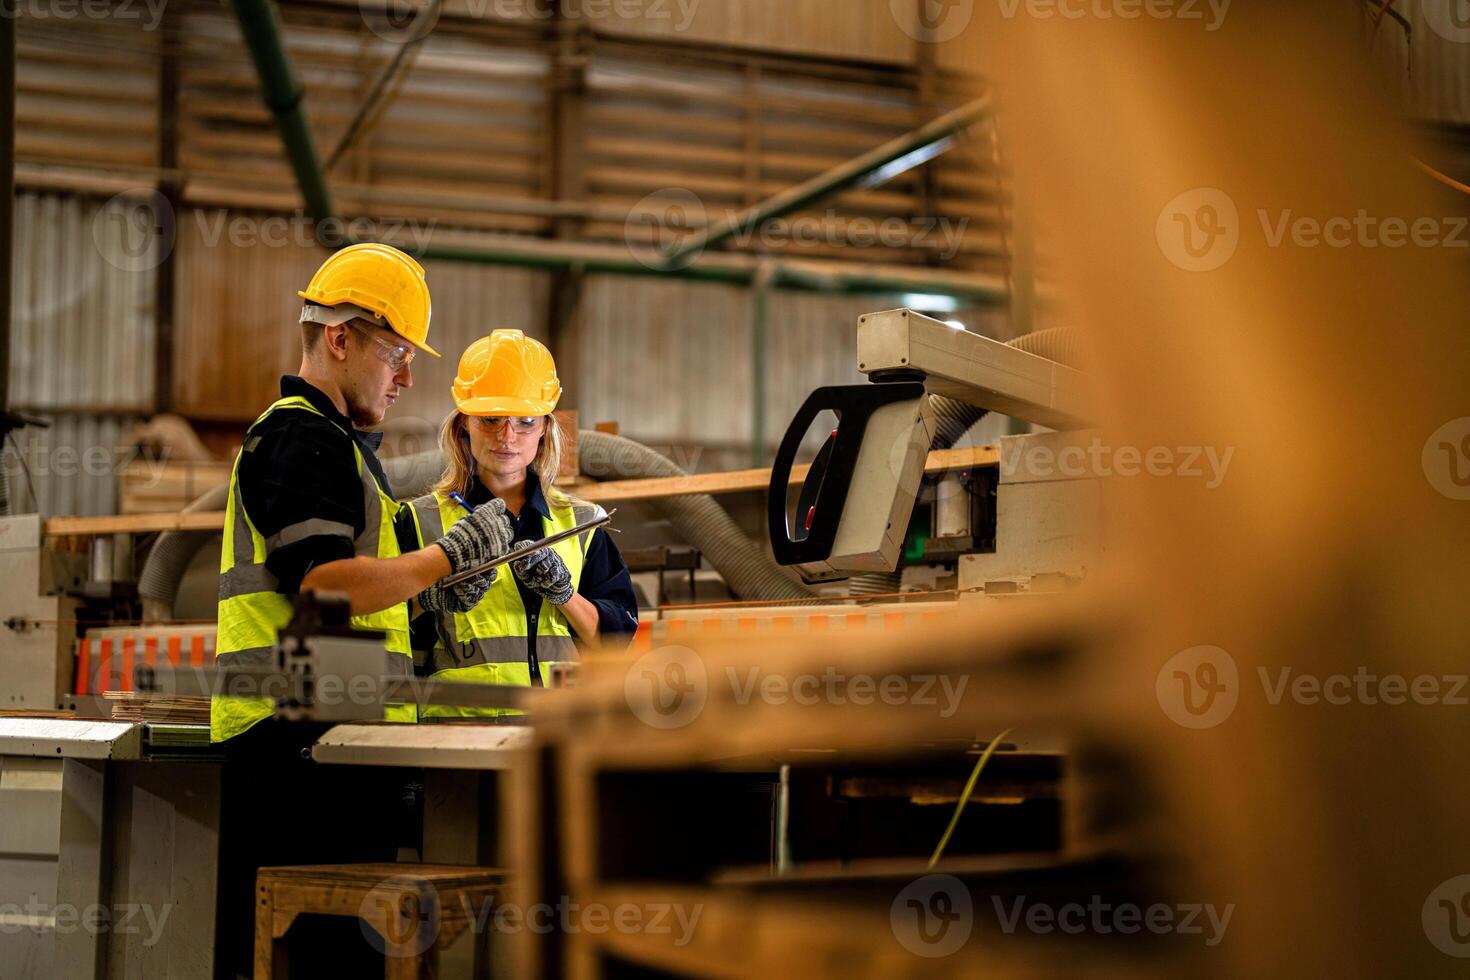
[396,356]
[520,424]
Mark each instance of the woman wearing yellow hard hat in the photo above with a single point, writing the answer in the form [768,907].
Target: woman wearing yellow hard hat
[502,443]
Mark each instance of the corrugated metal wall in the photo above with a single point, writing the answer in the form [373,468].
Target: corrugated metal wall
[82,344]
[237,314]
[668,360]
[865,29]
[1431,68]
[83,324]
[671,361]
[69,468]
[469,302]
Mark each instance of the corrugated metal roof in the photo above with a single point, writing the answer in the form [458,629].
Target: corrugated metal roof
[83,325]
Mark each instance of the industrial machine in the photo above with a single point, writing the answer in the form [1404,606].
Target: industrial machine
[325,670]
[855,508]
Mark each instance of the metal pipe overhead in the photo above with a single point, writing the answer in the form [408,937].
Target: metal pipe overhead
[283,96]
[371,111]
[916,144]
[812,274]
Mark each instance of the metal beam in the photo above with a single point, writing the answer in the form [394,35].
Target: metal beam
[837,179]
[811,274]
[283,96]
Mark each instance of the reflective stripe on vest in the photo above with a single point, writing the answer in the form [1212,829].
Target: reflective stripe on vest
[489,644]
[252,612]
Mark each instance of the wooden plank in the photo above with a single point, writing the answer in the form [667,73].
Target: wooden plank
[136,523]
[711,483]
[738,481]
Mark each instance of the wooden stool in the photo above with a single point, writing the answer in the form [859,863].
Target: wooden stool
[417,909]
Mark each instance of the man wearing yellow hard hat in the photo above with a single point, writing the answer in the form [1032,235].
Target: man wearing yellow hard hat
[503,445]
[311,509]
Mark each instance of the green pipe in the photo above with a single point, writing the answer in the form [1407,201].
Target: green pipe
[283,96]
[837,179]
[732,270]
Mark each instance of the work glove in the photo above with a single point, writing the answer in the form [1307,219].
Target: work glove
[482,535]
[545,573]
[459,598]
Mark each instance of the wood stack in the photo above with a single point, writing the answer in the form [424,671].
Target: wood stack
[174,709]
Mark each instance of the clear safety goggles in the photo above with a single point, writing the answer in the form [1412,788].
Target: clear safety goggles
[396,356]
[520,424]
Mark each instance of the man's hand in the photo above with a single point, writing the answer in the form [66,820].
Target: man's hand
[483,535]
[545,573]
[459,598]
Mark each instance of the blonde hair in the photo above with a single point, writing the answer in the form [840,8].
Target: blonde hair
[459,463]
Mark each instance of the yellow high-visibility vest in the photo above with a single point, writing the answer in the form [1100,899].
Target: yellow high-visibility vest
[490,644]
[252,612]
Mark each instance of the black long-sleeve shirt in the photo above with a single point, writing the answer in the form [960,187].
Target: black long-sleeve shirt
[300,485]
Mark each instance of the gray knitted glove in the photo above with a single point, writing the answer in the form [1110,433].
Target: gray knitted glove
[459,598]
[482,535]
[545,573]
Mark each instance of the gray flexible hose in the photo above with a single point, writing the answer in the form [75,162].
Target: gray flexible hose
[158,584]
[412,476]
[702,522]
[698,519]
[1060,344]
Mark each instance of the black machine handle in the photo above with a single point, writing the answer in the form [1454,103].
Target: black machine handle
[824,491]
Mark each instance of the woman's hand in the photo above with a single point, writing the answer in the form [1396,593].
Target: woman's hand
[545,573]
[459,598]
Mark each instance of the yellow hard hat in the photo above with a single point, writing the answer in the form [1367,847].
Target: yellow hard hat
[506,373]
[380,279]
